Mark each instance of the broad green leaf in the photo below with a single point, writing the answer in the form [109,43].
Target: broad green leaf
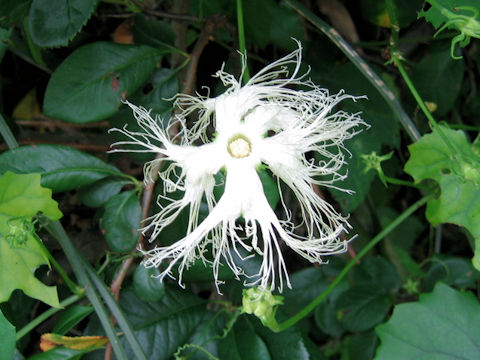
[14,11]
[444,10]
[200,271]
[361,346]
[146,284]
[407,232]
[90,84]
[71,317]
[377,270]
[54,23]
[162,326]
[307,284]
[286,345]
[4,36]
[243,343]
[383,129]
[7,338]
[326,318]
[98,193]
[62,168]
[452,271]
[438,79]
[263,27]
[442,325]
[164,85]
[21,198]
[59,353]
[461,15]
[362,307]
[121,221]
[456,169]
[159,34]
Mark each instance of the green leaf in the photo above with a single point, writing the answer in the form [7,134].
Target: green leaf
[263,27]
[286,345]
[98,193]
[452,271]
[407,232]
[54,23]
[60,353]
[243,343]
[4,36]
[121,221]
[164,85]
[146,284]
[361,346]
[200,271]
[456,169]
[438,79]
[445,10]
[326,318]
[162,326]
[62,168]
[362,307]
[442,325]
[14,11]
[90,84]
[21,198]
[377,270]
[159,34]
[383,130]
[307,284]
[71,317]
[7,338]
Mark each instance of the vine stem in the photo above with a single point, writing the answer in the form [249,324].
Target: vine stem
[397,61]
[312,305]
[241,39]
[401,182]
[45,315]
[362,67]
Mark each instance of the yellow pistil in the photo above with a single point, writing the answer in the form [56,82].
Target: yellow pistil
[239,147]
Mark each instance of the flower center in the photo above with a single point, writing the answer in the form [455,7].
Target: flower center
[239,146]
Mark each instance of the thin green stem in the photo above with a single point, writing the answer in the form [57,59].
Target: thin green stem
[116,312]
[307,309]
[398,63]
[401,182]
[397,60]
[74,288]
[241,39]
[47,314]
[57,231]
[362,66]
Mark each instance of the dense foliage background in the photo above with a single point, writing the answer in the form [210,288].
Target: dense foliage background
[406,288]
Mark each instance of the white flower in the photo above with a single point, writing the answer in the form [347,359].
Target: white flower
[263,123]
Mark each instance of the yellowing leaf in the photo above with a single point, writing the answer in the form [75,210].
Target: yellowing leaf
[50,341]
[28,107]
[21,198]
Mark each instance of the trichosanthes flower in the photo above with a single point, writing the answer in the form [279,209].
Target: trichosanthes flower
[265,123]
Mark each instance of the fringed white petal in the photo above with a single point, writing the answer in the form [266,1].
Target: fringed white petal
[274,125]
